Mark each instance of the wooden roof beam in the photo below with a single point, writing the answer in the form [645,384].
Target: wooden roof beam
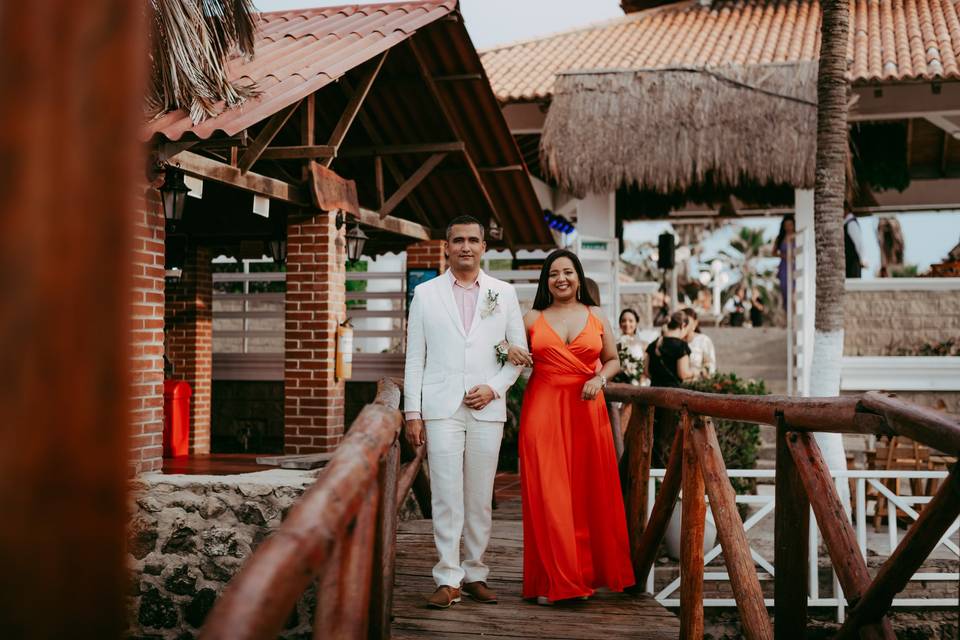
[451,121]
[266,136]
[353,107]
[208,169]
[390,163]
[411,183]
[402,149]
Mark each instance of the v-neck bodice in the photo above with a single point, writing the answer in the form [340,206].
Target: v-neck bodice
[552,356]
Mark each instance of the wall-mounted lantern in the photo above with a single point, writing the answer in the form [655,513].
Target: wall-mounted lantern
[356,239]
[174,192]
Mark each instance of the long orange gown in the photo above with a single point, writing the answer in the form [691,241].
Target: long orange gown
[574,528]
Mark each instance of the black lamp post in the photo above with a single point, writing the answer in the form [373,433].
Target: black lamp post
[174,191]
[356,239]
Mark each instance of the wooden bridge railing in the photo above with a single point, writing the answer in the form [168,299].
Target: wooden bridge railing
[802,481]
[341,533]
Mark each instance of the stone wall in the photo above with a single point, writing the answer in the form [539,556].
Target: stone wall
[190,534]
[879,320]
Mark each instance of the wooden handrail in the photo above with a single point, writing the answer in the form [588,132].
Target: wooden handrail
[871,413]
[341,531]
[802,479]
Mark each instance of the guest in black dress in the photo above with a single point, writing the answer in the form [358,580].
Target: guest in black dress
[668,365]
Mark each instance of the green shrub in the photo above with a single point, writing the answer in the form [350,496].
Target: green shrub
[739,441]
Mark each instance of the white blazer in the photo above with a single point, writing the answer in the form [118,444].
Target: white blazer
[444,362]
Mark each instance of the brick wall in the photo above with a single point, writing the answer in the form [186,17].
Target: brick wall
[315,305]
[426,255]
[189,339]
[146,350]
[878,320]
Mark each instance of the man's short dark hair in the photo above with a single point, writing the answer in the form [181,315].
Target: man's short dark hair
[465,220]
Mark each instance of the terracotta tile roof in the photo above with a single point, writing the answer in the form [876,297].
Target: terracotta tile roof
[300,51]
[890,40]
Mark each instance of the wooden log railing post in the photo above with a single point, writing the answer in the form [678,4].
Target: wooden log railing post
[838,533]
[638,449]
[384,564]
[343,607]
[934,521]
[693,511]
[419,478]
[652,536]
[791,542]
[733,539]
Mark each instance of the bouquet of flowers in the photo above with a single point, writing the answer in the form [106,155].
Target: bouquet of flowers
[631,366]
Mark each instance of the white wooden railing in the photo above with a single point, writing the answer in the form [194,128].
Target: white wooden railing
[248,327]
[881,544]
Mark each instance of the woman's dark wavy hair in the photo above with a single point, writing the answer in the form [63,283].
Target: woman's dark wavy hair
[543,298]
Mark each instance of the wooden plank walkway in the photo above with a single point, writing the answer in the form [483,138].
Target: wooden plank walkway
[605,616]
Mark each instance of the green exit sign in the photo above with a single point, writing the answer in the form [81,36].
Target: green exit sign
[594,246]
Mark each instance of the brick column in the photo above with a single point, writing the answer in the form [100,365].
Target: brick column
[426,255]
[189,339]
[146,345]
[315,305]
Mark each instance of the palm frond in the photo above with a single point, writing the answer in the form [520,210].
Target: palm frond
[191,42]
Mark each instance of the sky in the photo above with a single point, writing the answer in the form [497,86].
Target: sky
[928,236]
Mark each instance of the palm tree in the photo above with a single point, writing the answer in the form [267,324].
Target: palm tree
[191,41]
[829,194]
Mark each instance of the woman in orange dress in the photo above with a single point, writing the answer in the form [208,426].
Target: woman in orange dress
[574,528]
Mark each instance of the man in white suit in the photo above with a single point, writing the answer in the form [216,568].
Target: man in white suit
[454,397]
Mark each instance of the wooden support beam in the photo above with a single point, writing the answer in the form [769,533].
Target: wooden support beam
[378,180]
[504,169]
[266,136]
[411,183]
[367,123]
[638,450]
[452,122]
[791,541]
[733,539]
[693,510]
[838,533]
[301,152]
[242,139]
[353,106]
[458,77]
[393,224]
[401,149]
[934,521]
[201,167]
[649,543]
[308,129]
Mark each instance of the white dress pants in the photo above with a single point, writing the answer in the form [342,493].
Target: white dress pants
[462,454]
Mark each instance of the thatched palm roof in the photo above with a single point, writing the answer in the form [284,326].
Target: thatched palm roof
[190,43]
[673,130]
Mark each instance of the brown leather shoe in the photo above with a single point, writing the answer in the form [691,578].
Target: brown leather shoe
[444,597]
[480,592]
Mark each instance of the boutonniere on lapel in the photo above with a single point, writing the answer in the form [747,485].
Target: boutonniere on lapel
[490,303]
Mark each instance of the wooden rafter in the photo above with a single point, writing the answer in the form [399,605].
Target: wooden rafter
[206,168]
[308,128]
[353,107]
[378,180]
[300,152]
[266,136]
[390,163]
[452,122]
[402,149]
[411,183]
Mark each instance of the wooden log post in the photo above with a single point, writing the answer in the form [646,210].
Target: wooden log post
[693,511]
[791,544]
[838,533]
[733,539]
[934,521]
[343,608]
[415,475]
[649,543]
[381,600]
[638,449]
